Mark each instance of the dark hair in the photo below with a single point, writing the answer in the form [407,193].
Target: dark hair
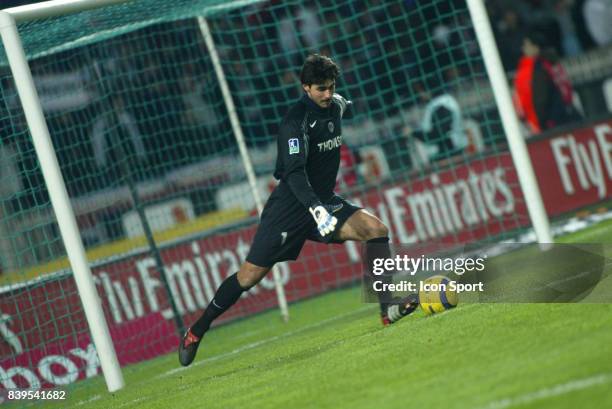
[318,69]
[537,37]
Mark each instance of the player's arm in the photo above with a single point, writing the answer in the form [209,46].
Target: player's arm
[293,151]
[346,110]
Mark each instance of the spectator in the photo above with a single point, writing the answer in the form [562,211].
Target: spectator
[582,32]
[198,112]
[309,27]
[114,128]
[543,93]
[539,13]
[443,124]
[441,129]
[509,33]
[10,179]
[289,34]
[10,186]
[569,37]
[598,19]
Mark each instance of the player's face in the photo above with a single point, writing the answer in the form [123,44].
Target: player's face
[530,49]
[321,94]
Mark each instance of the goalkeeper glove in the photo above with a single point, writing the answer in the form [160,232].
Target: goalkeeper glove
[326,223]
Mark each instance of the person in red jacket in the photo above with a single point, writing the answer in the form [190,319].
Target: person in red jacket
[543,92]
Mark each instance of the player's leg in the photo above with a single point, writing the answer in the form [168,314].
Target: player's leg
[279,237]
[365,227]
[227,294]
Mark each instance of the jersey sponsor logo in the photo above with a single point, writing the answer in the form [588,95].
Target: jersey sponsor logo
[294,146]
[330,144]
[313,124]
[330,126]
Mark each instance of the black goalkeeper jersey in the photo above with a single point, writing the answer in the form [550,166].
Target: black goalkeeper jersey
[309,144]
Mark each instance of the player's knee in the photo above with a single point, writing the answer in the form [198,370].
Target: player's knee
[248,279]
[249,275]
[375,230]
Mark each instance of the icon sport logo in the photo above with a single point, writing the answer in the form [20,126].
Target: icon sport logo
[294,146]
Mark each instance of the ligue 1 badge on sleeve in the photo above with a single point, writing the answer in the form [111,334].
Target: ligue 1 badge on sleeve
[294,146]
[330,126]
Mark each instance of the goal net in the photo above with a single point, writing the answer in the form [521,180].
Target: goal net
[140,126]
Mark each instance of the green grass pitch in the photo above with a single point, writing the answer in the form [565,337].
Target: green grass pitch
[335,354]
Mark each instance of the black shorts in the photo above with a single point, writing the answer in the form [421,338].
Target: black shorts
[286,225]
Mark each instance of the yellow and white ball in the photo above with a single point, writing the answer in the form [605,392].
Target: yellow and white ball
[436,295]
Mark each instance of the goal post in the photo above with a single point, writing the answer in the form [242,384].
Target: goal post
[59,200]
[518,147]
[52,8]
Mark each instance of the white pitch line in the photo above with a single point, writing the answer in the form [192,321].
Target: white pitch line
[131,402]
[262,342]
[83,402]
[550,392]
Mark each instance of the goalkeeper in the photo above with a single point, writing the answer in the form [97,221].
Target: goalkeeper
[303,205]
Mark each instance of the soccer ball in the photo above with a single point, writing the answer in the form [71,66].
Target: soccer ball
[435,295]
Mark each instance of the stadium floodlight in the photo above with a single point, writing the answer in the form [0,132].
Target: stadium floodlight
[53,176]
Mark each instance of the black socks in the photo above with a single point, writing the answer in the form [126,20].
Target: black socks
[227,294]
[378,248]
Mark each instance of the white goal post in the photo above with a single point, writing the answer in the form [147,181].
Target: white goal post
[518,147]
[53,177]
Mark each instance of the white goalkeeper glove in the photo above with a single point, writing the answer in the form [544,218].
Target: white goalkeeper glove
[326,223]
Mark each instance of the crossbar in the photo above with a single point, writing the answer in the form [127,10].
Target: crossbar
[54,8]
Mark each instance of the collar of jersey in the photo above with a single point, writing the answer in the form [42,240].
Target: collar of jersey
[312,106]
